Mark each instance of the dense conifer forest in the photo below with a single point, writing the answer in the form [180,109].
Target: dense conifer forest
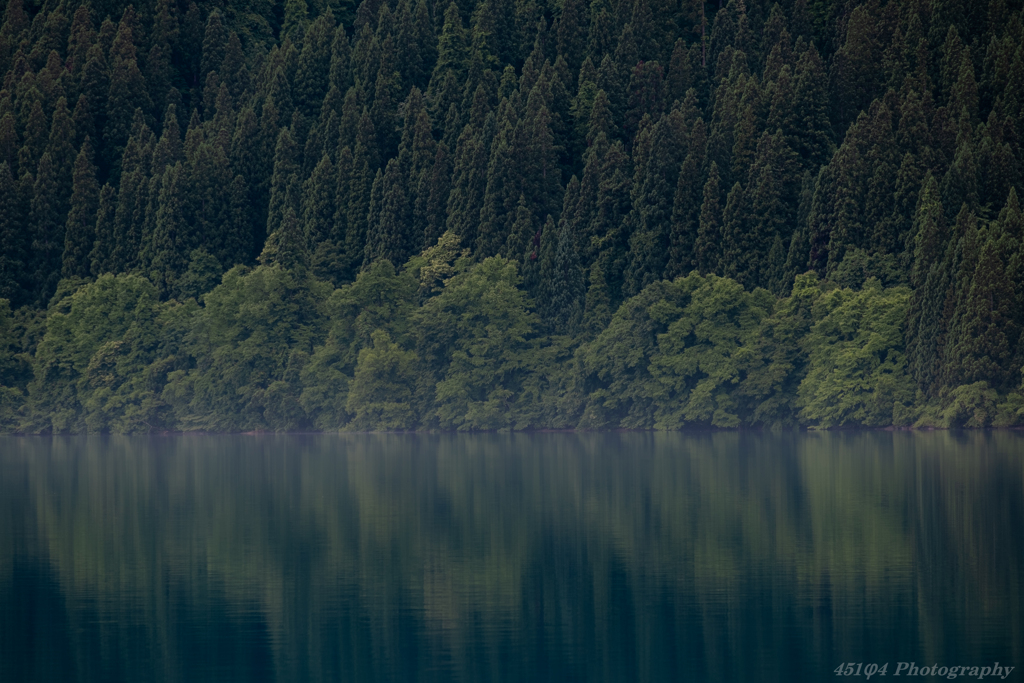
[510,214]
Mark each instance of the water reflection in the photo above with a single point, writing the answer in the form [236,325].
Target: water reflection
[562,557]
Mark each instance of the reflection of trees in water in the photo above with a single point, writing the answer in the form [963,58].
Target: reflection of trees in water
[497,556]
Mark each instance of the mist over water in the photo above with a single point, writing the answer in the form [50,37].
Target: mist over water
[544,557]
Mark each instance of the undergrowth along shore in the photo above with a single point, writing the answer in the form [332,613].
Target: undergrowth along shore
[446,343]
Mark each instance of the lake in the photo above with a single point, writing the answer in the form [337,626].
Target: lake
[724,556]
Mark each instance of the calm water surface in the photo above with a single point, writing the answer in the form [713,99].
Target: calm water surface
[549,557]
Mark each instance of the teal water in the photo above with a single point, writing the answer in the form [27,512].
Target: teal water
[546,557]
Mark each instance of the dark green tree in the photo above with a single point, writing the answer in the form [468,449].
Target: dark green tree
[364,170]
[61,147]
[679,77]
[658,156]
[686,206]
[173,237]
[131,243]
[340,73]
[80,231]
[930,282]
[572,32]
[312,73]
[126,94]
[388,237]
[771,194]
[856,79]
[34,138]
[318,202]
[284,183]
[215,45]
[567,287]
[100,258]
[12,238]
[469,180]
[982,345]
[90,109]
[47,219]
[430,212]
[450,68]
[707,247]
[287,246]
[811,136]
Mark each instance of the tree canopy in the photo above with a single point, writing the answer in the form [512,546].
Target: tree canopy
[413,215]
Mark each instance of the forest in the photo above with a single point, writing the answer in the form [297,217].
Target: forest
[510,214]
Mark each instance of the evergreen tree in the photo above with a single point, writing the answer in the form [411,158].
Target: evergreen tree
[1011,219]
[736,219]
[770,197]
[173,238]
[432,196]
[296,18]
[12,231]
[407,42]
[126,94]
[502,186]
[328,256]
[686,206]
[207,200]
[566,286]
[8,141]
[811,137]
[284,183]
[159,69]
[388,236]
[449,69]
[100,258]
[746,130]
[572,32]
[131,247]
[960,185]
[679,78]
[48,231]
[709,236]
[964,93]
[286,247]
[34,138]
[318,202]
[983,346]
[469,178]
[91,107]
[798,255]
[169,148]
[364,170]
[961,262]
[79,234]
[608,229]
[235,241]
[520,244]
[949,64]
[340,74]
[215,44]
[658,156]
[61,147]
[386,98]
[855,78]
[536,156]
[81,37]
[602,36]
[930,281]
[646,96]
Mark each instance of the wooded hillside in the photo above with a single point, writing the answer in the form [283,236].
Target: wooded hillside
[510,214]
